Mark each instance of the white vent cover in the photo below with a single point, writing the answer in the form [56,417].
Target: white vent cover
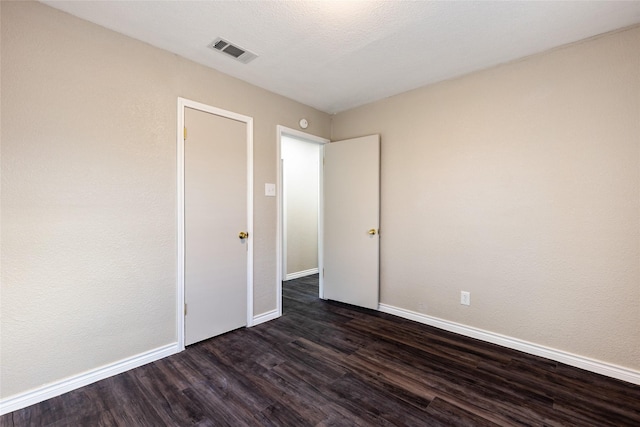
[234,51]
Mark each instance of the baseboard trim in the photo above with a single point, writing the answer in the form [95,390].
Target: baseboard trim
[37,395]
[265,317]
[585,363]
[299,274]
[22,400]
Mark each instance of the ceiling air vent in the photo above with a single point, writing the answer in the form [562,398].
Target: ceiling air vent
[236,52]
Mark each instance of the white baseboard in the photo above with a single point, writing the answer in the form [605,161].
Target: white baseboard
[22,400]
[585,363]
[265,317]
[299,274]
[31,397]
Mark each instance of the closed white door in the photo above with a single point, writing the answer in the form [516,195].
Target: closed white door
[351,216]
[215,198]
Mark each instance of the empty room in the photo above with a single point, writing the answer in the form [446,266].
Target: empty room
[314,213]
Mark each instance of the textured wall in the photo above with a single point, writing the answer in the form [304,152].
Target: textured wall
[520,184]
[301,173]
[89,195]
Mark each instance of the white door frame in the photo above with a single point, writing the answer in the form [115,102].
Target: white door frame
[283,130]
[182,104]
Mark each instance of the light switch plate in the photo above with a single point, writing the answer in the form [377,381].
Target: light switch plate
[270,190]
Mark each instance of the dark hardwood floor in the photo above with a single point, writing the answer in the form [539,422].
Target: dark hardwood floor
[329,364]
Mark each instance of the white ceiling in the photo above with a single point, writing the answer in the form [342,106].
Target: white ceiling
[335,55]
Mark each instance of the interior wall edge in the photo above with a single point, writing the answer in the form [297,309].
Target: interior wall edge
[48,391]
[588,364]
[299,274]
[265,317]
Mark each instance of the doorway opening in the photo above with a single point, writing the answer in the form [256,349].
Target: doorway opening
[299,234]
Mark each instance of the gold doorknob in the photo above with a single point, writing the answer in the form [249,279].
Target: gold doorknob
[243,235]
[372,232]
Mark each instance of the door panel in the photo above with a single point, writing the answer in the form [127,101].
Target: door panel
[215,214]
[351,210]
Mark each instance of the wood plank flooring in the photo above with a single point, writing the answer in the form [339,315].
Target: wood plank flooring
[329,364]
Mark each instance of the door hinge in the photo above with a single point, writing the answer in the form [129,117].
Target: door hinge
[322,271]
[185,133]
[185,308]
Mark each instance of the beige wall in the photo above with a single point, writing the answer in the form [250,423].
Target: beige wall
[520,184]
[89,196]
[301,190]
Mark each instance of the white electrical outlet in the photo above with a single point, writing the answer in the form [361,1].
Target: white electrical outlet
[465,298]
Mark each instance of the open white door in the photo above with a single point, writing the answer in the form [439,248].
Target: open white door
[351,219]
